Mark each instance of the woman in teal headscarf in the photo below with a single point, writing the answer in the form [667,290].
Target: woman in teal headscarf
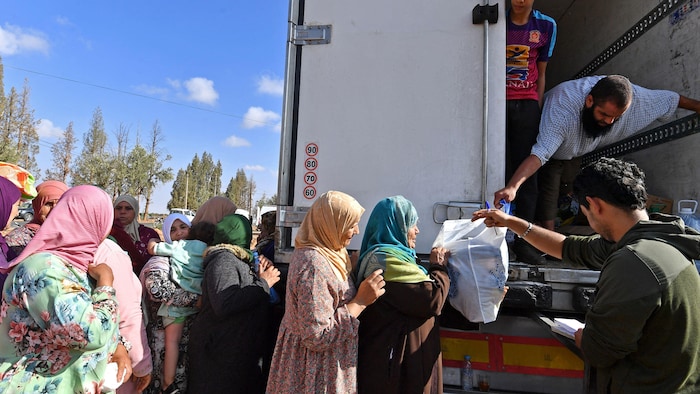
[399,347]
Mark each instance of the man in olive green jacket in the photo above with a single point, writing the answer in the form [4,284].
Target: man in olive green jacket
[642,332]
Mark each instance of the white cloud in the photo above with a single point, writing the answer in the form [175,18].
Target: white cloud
[201,90]
[14,39]
[46,129]
[174,83]
[150,90]
[258,117]
[270,85]
[256,167]
[63,21]
[236,142]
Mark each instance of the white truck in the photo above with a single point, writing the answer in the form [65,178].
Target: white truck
[385,98]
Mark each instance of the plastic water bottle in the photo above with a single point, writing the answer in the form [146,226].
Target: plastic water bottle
[467,374]
[274,297]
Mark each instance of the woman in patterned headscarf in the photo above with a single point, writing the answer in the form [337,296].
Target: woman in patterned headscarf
[316,350]
[48,193]
[399,334]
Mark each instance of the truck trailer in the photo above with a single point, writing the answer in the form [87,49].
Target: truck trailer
[385,98]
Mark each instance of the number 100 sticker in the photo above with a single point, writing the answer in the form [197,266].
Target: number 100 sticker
[311,164]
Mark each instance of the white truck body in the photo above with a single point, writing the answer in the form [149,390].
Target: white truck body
[393,105]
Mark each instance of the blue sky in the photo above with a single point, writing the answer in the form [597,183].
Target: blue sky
[211,73]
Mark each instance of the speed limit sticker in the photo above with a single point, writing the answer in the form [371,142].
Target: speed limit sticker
[310,178]
[311,149]
[309,192]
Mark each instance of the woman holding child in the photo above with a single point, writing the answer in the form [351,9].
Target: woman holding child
[160,289]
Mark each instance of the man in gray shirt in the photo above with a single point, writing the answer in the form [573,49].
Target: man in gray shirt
[580,116]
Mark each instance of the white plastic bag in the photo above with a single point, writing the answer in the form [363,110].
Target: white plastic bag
[478,267]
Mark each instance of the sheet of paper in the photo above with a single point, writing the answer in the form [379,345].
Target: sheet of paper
[566,327]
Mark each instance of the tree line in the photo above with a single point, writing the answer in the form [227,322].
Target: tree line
[122,168]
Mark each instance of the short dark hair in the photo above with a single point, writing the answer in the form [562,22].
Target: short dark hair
[203,231]
[268,221]
[617,182]
[613,88]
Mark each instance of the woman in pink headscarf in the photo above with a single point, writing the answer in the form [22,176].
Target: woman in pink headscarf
[47,196]
[58,316]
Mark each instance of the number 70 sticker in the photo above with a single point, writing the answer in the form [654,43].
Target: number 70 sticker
[310,178]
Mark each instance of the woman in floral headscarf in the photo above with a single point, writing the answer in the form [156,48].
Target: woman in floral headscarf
[316,350]
[47,196]
[58,330]
[399,334]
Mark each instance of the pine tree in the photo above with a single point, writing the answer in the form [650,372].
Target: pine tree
[62,152]
[119,161]
[8,129]
[180,188]
[156,172]
[196,184]
[240,190]
[28,138]
[92,167]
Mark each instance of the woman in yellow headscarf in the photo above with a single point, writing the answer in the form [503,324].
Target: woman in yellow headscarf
[316,350]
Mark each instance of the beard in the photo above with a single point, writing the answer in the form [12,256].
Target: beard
[590,125]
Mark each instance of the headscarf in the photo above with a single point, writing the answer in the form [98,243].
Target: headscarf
[46,191]
[235,230]
[132,228]
[22,178]
[9,195]
[330,216]
[77,225]
[168,223]
[386,239]
[214,209]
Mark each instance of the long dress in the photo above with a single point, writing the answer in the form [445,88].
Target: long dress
[56,332]
[131,317]
[316,350]
[158,288]
[400,337]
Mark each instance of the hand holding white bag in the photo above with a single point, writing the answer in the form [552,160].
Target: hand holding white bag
[477,266]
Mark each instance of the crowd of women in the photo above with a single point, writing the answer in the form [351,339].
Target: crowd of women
[78,276]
